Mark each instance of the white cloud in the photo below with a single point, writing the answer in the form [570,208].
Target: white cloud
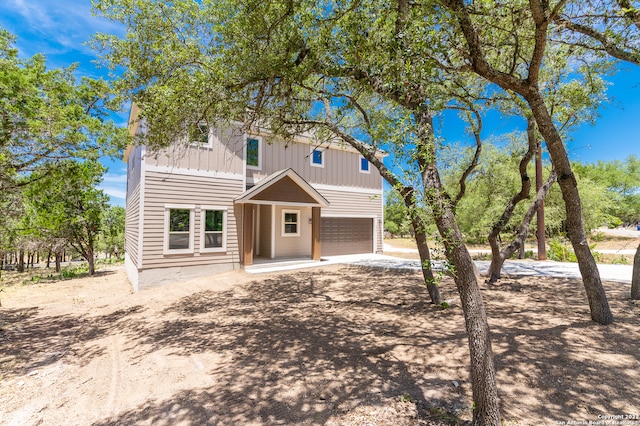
[114,184]
[115,192]
[67,23]
[115,178]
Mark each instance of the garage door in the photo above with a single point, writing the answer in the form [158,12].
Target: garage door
[346,235]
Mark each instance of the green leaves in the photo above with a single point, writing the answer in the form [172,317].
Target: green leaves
[48,115]
[65,204]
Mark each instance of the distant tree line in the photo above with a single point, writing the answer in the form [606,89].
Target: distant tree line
[609,190]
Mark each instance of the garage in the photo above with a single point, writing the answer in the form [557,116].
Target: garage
[346,235]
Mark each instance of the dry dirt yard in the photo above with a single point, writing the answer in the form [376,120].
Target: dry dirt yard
[332,346]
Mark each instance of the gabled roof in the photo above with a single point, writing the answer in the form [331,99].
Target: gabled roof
[284,187]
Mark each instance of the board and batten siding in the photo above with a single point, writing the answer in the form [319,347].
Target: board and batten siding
[132,221]
[354,204]
[341,166]
[162,189]
[224,156]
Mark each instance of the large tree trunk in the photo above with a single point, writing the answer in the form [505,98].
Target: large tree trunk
[425,261]
[635,278]
[483,378]
[58,260]
[529,90]
[600,311]
[420,234]
[408,195]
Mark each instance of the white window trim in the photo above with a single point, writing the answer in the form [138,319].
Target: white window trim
[246,145]
[322,150]
[192,216]
[368,171]
[210,136]
[203,249]
[284,212]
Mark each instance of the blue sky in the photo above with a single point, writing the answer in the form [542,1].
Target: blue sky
[61,28]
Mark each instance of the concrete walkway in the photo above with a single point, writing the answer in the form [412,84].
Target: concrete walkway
[618,273]
[549,268]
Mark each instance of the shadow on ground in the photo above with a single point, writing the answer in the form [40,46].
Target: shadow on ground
[353,347]
[30,341]
[304,349]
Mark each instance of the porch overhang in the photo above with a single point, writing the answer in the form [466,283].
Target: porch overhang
[285,187]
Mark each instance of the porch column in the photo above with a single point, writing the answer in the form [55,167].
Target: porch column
[315,233]
[247,234]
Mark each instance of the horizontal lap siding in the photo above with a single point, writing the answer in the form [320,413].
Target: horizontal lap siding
[348,203]
[162,189]
[132,221]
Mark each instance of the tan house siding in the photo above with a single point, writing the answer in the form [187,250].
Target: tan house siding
[351,203]
[341,166]
[224,156]
[134,168]
[294,246]
[265,231]
[286,190]
[214,175]
[162,189]
[354,204]
[131,224]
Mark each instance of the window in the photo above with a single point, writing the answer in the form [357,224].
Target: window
[213,236]
[179,229]
[317,157]
[290,223]
[199,134]
[364,165]
[254,153]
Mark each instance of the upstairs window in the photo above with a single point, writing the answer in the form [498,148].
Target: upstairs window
[317,157]
[290,223]
[214,229]
[200,134]
[254,153]
[364,165]
[179,229]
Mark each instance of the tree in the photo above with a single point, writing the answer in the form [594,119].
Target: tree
[512,59]
[606,27]
[396,215]
[293,67]
[49,115]
[113,230]
[621,182]
[73,207]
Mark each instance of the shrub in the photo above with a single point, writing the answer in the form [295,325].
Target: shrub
[560,251]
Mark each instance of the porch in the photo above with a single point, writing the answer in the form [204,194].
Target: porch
[280,220]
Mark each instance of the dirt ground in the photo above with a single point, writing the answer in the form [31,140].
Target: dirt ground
[332,346]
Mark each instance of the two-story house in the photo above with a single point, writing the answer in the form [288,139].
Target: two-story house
[228,198]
